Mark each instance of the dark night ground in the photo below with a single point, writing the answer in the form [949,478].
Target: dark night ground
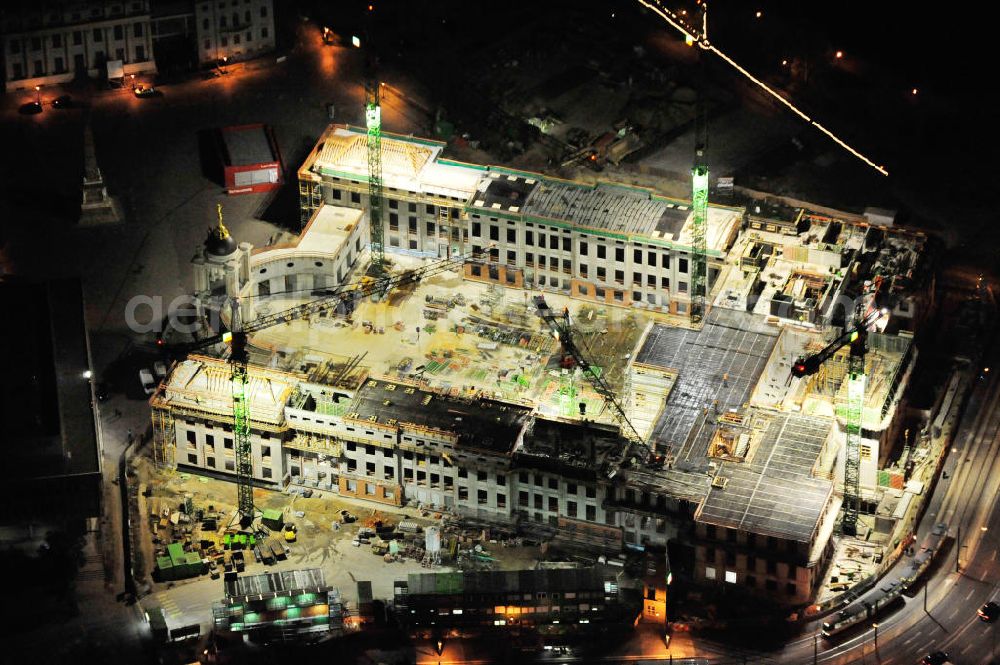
[938,148]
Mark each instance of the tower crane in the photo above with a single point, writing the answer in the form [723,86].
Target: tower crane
[373,122]
[857,338]
[239,362]
[633,444]
[699,204]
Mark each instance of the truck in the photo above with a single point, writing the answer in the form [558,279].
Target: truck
[291,533]
[277,549]
[157,624]
[379,546]
[238,561]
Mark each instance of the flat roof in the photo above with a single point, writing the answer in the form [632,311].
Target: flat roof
[503,191]
[774,493]
[507,581]
[719,363]
[247,145]
[325,234]
[310,580]
[477,423]
[47,425]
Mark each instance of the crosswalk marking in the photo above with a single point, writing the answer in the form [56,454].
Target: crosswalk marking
[169,605]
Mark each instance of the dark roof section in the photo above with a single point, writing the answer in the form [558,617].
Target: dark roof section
[775,493]
[247,145]
[672,220]
[573,448]
[47,427]
[479,423]
[505,192]
[219,244]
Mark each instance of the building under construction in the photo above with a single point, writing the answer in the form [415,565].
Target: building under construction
[745,473]
[605,243]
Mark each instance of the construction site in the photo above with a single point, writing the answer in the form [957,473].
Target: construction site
[374,396]
[472,368]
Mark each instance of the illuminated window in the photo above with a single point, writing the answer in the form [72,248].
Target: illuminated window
[731,576]
[709,573]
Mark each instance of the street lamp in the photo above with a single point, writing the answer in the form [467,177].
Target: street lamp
[38,95]
[875,626]
[225,59]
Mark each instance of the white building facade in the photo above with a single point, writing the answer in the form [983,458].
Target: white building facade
[233,30]
[604,242]
[55,43]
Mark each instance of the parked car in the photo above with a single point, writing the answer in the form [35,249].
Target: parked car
[936,658]
[146,378]
[103,391]
[989,612]
[63,102]
[141,90]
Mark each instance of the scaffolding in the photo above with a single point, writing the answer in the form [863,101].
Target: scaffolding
[164,439]
[852,459]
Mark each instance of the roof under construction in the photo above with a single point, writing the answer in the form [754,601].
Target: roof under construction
[716,368]
[573,448]
[477,422]
[408,164]
[205,384]
[605,206]
[774,493]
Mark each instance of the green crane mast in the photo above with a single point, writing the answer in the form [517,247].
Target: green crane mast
[373,122]
[699,202]
[857,338]
[239,362]
[699,250]
[856,383]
